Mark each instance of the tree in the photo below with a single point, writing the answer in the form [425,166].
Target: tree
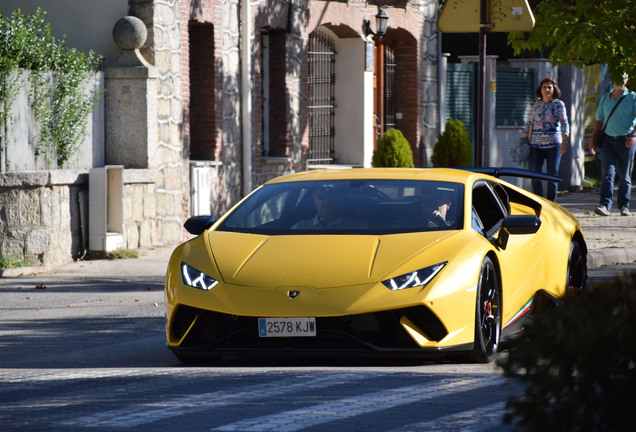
[583,32]
[576,363]
[60,81]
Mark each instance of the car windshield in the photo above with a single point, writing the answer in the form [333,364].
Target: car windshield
[349,207]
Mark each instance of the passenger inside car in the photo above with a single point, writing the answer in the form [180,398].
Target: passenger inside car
[436,206]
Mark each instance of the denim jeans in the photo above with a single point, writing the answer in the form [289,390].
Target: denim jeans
[552,157]
[616,160]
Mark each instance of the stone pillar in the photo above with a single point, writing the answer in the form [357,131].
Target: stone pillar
[131,100]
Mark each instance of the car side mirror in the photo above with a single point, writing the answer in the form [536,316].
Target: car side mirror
[517,224]
[198,224]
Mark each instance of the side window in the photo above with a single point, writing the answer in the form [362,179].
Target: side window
[476,224]
[487,209]
[503,197]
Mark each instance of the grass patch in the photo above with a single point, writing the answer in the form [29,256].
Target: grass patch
[125,254]
[113,255]
[12,262]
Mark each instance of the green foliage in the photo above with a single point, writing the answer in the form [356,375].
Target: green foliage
[453,147]
[58,76]
[12,262]
[578,361]
[126,254]
[583,32]
[393,150]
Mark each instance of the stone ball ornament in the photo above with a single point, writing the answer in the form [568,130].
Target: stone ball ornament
[130,33]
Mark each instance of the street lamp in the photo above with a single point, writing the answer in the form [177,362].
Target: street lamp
[381,21]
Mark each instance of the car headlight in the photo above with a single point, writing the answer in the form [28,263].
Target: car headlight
[196,278]
[414,279]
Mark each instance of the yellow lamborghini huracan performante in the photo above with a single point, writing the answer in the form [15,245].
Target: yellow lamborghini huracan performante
[372,261]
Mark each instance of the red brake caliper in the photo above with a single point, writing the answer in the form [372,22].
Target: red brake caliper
[488,308]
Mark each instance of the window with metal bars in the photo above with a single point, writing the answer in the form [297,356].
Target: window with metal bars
[515,93]
[321,110]
[390,92]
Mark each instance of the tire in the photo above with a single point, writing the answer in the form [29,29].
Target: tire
[487,313]
[576,279]
[196,358]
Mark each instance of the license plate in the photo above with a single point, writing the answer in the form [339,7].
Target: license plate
[286,327]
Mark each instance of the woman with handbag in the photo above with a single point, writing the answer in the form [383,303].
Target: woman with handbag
[613,138]
[547,131]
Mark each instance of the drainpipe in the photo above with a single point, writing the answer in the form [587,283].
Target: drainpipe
[246,94]
[441,85]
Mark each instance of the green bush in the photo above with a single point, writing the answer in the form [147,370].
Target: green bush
[578,361]
[58,76]
[453,147]
[393,150]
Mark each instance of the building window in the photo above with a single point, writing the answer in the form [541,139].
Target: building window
[390,89]
[515,93]
[322,81]
[275,96]
[202,92]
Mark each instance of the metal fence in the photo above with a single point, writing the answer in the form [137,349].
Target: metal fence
[322,76]
[390,88]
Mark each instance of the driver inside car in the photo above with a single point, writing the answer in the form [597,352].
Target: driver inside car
[330,203]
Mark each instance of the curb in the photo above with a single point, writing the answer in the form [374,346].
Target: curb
[610,256]
[23,271]
[595,259]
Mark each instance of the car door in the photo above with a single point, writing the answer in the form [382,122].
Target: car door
[519,261]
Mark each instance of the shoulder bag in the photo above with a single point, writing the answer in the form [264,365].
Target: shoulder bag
[521,151]
[598,136]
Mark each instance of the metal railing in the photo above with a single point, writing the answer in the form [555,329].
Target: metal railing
[321,80]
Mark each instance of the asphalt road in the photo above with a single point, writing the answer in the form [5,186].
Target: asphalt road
[85,351]
[89,355]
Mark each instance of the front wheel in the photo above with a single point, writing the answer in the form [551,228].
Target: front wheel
[487,313]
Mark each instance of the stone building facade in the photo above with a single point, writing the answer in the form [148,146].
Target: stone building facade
[219,97]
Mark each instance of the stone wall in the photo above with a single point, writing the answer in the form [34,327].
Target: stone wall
[165,161]
[44,215]
[141,227]
[40,218]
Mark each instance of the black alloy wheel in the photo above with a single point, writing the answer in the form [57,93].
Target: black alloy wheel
[487,313]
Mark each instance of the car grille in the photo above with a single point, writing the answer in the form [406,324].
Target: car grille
[370,331]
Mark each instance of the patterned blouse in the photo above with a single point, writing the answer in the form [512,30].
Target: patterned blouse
[550,121]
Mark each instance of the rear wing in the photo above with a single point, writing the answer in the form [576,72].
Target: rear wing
[514,172]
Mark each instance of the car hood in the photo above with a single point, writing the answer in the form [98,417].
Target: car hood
[318,261]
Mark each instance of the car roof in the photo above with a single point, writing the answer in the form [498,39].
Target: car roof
[436,174]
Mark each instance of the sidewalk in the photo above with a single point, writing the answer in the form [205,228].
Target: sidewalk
[151,262]
[610,240]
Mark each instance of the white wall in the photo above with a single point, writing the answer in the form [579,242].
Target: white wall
[350,99]
[19,154]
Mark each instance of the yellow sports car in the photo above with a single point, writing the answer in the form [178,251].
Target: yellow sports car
[372,261]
